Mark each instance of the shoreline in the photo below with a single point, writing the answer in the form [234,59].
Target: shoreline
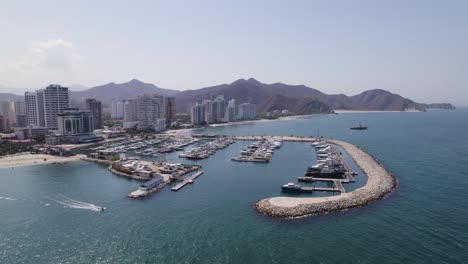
[380,182]
[376,111]
[27,159]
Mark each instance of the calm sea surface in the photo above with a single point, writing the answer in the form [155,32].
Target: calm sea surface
[213,220]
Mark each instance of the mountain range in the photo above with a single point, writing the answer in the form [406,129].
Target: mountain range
[299,99]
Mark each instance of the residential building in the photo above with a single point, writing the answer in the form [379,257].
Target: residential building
[43,106]
[4,123]
[130,114]
[21,121]
[20,113]
[117,110]
[5,110]
[96,107]
[247,111]
[32,113]
[56,100]
[170,109]
[151,109]
[197,114]
[31,132]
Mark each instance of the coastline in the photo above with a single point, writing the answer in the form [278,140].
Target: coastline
[27,159]
[379,183]
[375,111]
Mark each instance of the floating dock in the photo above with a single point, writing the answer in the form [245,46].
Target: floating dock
[322,189]
[186,181]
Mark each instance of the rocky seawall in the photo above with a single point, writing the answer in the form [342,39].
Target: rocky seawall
[379,183]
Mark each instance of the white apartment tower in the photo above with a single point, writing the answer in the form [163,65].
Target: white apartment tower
[151,110]
[56,100]
[43,106]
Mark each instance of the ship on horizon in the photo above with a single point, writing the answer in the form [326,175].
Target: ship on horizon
[360,127]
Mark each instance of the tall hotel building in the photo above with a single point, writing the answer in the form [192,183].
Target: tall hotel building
[43,106]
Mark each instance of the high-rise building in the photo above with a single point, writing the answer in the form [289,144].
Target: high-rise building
[170,109]
[117,110]
[209,111]
[43,106]
[197,114]
[150,108]
[4,123]
[32,114]
[20,113]
[130,111]
[247,111]
[231,113]
[5,110]
[96,107]
[56,100]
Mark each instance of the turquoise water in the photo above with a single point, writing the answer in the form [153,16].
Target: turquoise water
[212,221]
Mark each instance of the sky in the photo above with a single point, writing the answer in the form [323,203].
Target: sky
[418,49]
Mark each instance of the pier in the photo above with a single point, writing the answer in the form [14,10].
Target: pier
[321,189]
[186,181]
[349,172]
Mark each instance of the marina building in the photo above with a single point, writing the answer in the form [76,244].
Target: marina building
[76,126]
[96,107]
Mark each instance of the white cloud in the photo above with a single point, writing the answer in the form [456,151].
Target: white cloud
[50,61]
[53,54]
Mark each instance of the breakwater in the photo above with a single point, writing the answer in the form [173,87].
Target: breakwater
[379,183]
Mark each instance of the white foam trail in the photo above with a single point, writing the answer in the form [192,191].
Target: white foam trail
[10,199]
[71,203]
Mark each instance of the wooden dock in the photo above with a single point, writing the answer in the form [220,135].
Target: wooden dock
[313,179]
[349,172]
[186,181]
[323,189]
[339,186]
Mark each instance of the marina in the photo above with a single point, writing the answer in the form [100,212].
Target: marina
[259,151]
[204,150]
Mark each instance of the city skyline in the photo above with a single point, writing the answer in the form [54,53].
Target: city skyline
[413,49]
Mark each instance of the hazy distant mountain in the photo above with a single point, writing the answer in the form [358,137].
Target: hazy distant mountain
[267,97]
[253,91]
[442,106]
[114,92]
[302,105]
[11,97]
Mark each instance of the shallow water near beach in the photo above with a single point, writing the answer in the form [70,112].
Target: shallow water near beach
[47,216]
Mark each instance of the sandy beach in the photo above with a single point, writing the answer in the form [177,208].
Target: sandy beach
[27,159]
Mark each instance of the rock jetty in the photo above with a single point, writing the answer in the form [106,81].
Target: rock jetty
[379,183]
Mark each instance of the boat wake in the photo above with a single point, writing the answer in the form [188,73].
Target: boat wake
[59,201]
[67,202]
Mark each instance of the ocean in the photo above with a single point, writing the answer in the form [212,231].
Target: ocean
[47,212]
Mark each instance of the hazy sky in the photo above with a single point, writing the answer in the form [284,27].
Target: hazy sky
[418,49]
